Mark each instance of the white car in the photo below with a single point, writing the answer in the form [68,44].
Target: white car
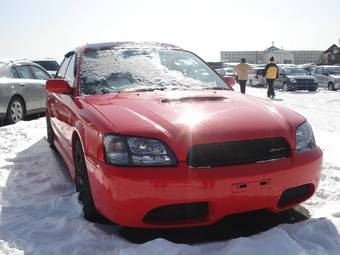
[50,65]
[255,77]
[328,76]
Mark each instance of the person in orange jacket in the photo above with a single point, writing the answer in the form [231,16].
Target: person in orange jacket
[271,73]
[242,71]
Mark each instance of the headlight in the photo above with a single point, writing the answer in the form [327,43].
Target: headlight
[304,137]
[293,81]
[137,151]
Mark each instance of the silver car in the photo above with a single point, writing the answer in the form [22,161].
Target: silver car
[328,76]
[22,89]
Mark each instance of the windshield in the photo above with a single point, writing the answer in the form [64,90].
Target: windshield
[296,71]
[48,65]
[334,70]
[118,70]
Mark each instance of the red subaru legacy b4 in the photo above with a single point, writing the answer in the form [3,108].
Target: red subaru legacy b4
[155,138]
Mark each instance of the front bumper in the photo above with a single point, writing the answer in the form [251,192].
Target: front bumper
[125,195]
[303,86]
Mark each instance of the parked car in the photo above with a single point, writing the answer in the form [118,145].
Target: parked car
[225,71]
[328,76]
[295,78]
[21,89]
[154,138]
[255,77]
[50,65]
[228,75]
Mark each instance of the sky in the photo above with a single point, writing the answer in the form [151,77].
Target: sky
[45,28]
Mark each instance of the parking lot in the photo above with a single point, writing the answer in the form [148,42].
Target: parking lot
[40,210]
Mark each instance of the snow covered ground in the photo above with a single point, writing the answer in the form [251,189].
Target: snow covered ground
[40,213]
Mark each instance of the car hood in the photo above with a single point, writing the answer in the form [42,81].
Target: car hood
[195,117]
[300,77]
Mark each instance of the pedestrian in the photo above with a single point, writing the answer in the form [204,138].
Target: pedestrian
[242,70]
[271,73]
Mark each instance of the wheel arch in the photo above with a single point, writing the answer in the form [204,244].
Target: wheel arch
[17,96]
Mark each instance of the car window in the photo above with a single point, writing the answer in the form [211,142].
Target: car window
[24,72]
[62,69]
[69,75]
[48,65]
[14,73]
[39,73]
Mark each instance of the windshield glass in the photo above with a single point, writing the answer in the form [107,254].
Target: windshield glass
[118,70]
[48,65]
[334,70]
[296,71]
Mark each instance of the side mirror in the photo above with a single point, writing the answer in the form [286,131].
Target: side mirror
[58,86]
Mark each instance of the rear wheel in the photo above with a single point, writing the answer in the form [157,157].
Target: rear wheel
[15,110]
[251,83]
[83,186]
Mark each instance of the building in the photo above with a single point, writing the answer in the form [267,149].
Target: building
[254,57]
[281,56]
[331,56]
[306,56]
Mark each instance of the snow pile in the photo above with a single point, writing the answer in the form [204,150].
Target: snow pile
[40,212]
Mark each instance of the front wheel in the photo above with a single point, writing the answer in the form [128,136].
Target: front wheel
[15,110]
[251,83]
[50,133]
[83,186]
[331,86]
[285,87]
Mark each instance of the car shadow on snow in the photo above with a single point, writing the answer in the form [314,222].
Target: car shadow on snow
[230,227]
[39,205]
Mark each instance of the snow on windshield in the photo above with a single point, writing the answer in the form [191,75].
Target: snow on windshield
[114,70]
[296,71]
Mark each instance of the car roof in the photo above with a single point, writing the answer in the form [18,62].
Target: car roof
[132,45]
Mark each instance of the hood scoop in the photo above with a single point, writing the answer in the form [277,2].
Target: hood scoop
[194,99]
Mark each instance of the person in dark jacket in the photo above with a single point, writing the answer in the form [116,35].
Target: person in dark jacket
[271,73]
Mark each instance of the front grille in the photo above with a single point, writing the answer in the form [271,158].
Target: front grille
[238,152]
[295,195]
[177,212]
[304,81]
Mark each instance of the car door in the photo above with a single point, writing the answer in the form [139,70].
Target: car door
[279,81]
[40,78]
[25,86]
[61,105]
[321,77]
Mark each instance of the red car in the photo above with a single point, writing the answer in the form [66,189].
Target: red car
[155,138]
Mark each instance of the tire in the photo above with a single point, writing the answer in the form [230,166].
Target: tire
[331,86]
[83,186]
[251,83]
[50,133]
[285,87]
[16,110]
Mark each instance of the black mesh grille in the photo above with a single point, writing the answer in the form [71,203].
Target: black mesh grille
[305,81]
[177,212]
[238,152]
[294,195]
